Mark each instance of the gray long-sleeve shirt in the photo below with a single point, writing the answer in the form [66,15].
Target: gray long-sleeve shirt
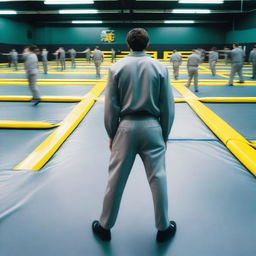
[97,55]
[62,54]
[176,57]
[13,55]
[44,55]
[72,53]
[213,56]
[237,55]
[138,84]
[193,60]
[31,63]
[252,56]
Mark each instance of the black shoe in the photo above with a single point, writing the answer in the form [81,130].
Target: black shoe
[99,231]
[252,77]
[165,235]
[196,91]
[240,82]
[229,84]
[36,102]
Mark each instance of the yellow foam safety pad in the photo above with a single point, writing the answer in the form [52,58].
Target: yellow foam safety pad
[44,98]
[184,54]
[26,124]
[216,83]
[253,144]
[49,83]
[229,99]
[39,157]
[236,143]
[52,80]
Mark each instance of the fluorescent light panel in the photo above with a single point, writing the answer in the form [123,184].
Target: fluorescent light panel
[179,21]
[190,11]
[201,1]
[88,11]
[86,21]
[68,2]
[8,12]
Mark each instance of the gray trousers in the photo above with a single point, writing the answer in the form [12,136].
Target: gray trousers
[62,64]
[254,69]
[236,68]
[143,136]
[212,65]
[176,68]
[73,62]
[88,59]
[97,64]
[15,63]
[45,66]
[193,73]
[32,86]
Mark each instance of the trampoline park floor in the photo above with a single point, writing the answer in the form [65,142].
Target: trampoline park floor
[54,161]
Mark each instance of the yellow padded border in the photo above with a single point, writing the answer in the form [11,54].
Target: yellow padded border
[236,143]
[216,83]
[39,157]
[47,83]
[184,54]
[229,99]
[44,98]
[26,124]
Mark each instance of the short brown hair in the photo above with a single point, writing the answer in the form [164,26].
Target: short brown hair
[138,39]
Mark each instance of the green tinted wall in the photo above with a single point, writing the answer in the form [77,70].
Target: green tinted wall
[244,30]
[242,36]
[13,32]
[158,35]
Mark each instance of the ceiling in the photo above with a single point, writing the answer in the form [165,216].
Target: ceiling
[128,11]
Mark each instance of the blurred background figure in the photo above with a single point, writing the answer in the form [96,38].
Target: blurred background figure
[252,60]
[176,60]
[72,54]
[31,67]
[113,55]
[87,52]
[237,56]
[226,55]
[98,59]
[192,65]
[62,58]
[213,59]
[45,60]
[12,58]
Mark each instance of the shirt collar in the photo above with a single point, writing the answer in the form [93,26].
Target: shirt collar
[137,54]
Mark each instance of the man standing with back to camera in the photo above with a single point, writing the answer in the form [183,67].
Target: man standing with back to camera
[139,112]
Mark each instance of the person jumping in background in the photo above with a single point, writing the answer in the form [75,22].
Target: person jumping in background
[31,67]
[72,54]
[176,60]
[98,59]
[213,58]
[192,65]
[237,56]
[252,60]
[45,60]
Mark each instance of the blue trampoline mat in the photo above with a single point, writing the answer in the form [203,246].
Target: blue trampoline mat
[210,192]
[226,91]
[16,145]
[46,90]
[26,111]
[241,116]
